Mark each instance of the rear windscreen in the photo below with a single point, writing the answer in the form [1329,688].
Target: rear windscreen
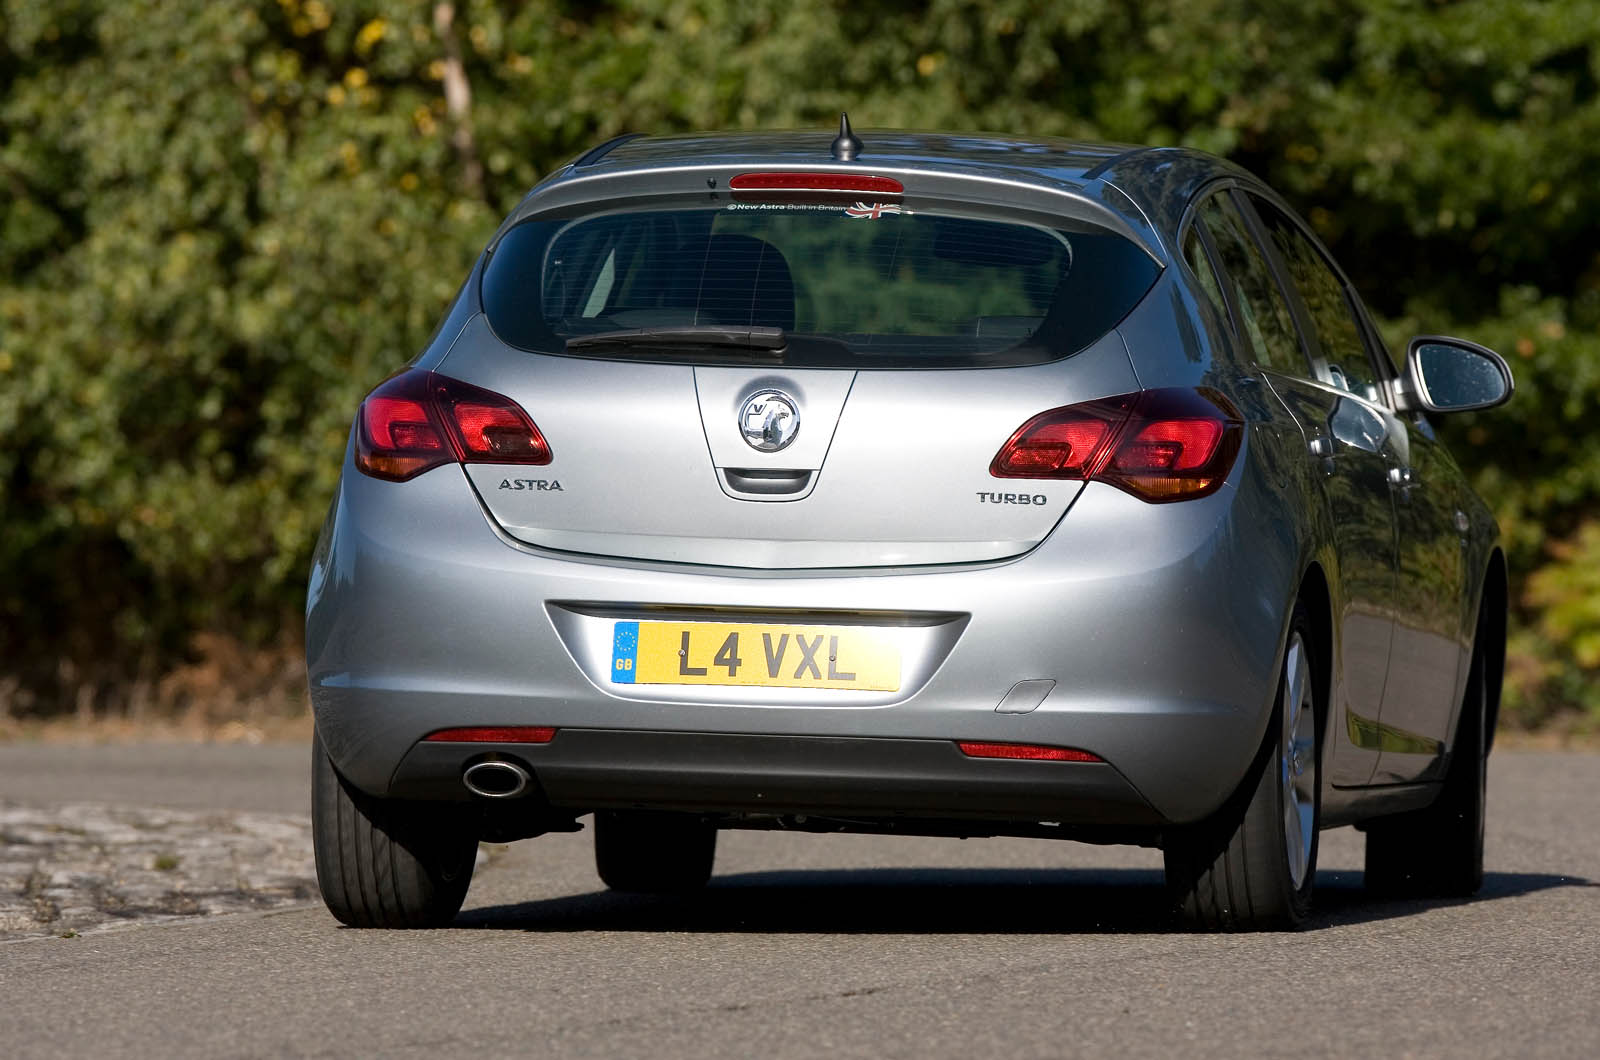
[850,285]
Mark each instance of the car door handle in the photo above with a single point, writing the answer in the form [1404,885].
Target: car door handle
[1402,477]
[1322,452]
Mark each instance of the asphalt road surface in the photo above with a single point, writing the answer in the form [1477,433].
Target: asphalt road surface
[808,946]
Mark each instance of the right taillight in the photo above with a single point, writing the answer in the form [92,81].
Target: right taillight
[418,420]
[1159,445]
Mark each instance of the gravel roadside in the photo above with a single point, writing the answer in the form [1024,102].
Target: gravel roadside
[79,868]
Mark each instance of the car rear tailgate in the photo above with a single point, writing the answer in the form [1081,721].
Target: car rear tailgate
[897,461]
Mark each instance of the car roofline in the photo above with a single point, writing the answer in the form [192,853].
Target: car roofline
[1099,199]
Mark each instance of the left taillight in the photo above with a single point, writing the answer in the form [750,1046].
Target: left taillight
[1159,445]
[418,420]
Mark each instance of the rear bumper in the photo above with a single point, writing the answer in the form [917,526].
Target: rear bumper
[597,769]
[1160,626]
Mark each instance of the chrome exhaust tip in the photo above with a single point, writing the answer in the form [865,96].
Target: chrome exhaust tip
[496,779]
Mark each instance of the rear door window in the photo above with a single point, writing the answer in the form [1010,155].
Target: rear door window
[1332,317]
[855,285]
[1268,324]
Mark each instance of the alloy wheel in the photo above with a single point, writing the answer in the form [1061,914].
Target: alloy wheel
[1297,761]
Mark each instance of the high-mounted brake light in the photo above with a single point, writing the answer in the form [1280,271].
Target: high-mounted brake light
[1028,752]
[848,183]
[418,420]
[1159,445]
[493,734]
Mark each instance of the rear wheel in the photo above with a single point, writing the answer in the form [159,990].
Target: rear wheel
[1438,851]
[653,853]
[382,862]
[1250,866]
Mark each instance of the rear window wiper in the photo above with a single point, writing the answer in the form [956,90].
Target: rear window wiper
[767,341]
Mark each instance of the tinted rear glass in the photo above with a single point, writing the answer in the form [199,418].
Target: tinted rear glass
[862,285]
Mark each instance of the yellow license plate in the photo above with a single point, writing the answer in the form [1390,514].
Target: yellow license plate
[773,656]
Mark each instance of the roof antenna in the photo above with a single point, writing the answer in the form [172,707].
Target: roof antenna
[846,145]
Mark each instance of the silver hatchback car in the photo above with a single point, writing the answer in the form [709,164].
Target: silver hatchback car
[907,484]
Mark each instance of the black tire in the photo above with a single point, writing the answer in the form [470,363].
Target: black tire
[653,853]
[1234,871]
[386,863]
[1437,852]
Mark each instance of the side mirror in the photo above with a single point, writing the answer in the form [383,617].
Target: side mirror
[1453,375]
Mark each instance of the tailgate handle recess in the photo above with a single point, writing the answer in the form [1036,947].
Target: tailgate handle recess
[766,482]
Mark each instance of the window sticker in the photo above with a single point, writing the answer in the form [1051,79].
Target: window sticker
[794,207]
[861,210]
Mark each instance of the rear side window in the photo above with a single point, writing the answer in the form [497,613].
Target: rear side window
[1194,252]
[1323,294]
[1268,325]
[861,285]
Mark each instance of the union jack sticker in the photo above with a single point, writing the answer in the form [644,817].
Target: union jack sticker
[871,212]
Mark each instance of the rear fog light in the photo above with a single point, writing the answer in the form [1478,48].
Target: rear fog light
[1030,752]
[494,734]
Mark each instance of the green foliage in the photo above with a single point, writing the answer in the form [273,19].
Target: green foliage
[220,223]
[1535,460]
[1561,646]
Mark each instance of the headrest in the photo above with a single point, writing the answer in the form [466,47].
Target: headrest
[745,280]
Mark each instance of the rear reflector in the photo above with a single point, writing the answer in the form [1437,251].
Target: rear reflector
[848,183]
[494,734]
[1030,752]
[415,421]
[1159,445]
